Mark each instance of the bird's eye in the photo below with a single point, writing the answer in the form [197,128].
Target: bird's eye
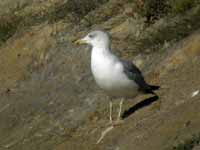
[91,36]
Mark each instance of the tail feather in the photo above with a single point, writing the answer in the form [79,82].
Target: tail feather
[151,88]
[154,87]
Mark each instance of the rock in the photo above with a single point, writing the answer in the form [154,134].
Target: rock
[25,52]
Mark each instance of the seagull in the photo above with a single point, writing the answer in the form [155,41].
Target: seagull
[119,78]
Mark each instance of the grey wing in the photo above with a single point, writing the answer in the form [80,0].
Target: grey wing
[135,74]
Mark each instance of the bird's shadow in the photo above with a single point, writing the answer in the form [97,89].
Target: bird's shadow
[139,105]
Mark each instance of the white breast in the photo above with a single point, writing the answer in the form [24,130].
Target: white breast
[109,75]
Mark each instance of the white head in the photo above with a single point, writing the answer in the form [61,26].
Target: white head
[96,39]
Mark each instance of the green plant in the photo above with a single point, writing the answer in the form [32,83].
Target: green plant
[189,143]
[179,6]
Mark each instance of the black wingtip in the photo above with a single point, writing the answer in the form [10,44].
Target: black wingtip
[151,88]
[154,87]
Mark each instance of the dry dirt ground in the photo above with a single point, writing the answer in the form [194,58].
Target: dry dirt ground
[162,124]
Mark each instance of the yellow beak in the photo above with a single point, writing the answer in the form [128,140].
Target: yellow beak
[80,41]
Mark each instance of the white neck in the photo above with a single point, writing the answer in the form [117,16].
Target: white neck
[102,56]
[101,50]
[101,46]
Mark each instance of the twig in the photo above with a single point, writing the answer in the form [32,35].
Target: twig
[103,134]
